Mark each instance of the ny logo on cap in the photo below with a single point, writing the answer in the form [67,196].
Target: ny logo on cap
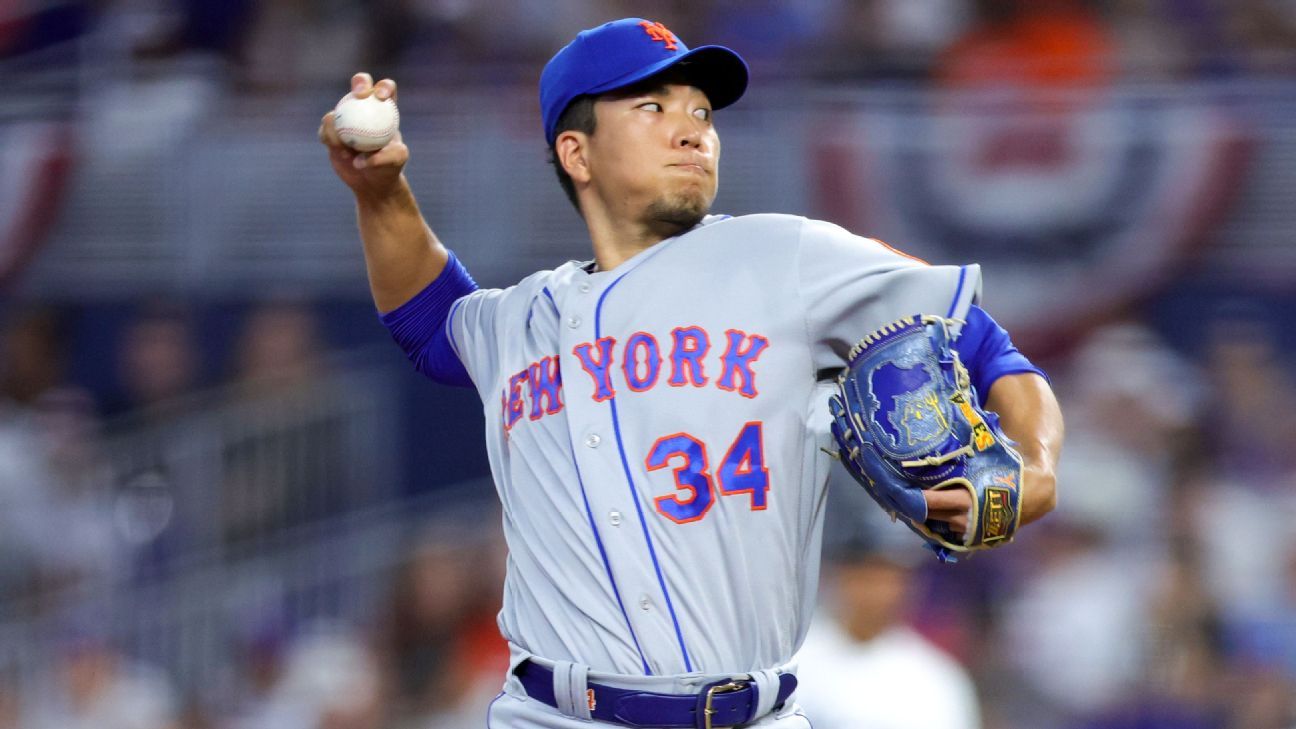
[660,33]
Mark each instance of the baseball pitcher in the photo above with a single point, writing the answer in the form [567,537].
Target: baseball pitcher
[656,417]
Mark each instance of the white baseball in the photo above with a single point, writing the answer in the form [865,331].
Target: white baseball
[366,124]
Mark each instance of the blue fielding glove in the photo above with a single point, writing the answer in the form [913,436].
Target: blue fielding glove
[906,420]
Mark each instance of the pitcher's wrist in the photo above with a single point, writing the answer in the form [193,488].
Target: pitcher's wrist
[395,194]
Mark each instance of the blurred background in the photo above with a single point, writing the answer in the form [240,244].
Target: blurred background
[227,502]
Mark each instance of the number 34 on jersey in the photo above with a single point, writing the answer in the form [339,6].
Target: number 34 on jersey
[643,364]
[741,471]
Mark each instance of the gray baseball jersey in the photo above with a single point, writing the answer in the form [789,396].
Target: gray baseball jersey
[653,433]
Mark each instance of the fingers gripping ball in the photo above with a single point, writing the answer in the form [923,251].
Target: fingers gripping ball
[366,124]
[906,419]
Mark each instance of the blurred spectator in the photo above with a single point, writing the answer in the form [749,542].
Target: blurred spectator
[49,466]
[525,34]
[1032,45]
[25,493]
[96,687]
[768,33]
[282,472]
[1181,685]
[868,39]
[1263,634]
[200,26]
[1150,45]
[921,26]
[335,672]
[329,679]
[10,703]
[157,360]
[1133,408]
[1267,30]
[1251,443]
[249,700]
[863,664]
[440,638]
[436,29]
[89,551]
[280,347]
[1204,24]
[1264,699]
[158,364]
[1246,571]
[1132,405]
[306,43]
[1067,630]
[32,354]
[1254,403]
[500,41]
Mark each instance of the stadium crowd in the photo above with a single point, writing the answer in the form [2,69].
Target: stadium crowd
[278,41]
[1162,595]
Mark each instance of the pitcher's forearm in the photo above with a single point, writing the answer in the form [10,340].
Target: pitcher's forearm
[1030,415]
[402,254]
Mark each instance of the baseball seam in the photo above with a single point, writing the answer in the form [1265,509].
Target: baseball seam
[391,129]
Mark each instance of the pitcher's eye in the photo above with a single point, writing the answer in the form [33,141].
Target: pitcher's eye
[650,106]
[702,113]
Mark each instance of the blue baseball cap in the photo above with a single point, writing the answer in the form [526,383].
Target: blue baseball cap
[624,52]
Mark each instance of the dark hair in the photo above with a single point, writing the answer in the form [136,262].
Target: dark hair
[577,117]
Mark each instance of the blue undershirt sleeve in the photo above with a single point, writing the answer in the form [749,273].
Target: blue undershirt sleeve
[988,353]
[419,325]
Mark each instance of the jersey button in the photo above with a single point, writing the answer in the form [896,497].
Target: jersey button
[614,516]
[592,440]
[574,322]
[583,288]
[644,602]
